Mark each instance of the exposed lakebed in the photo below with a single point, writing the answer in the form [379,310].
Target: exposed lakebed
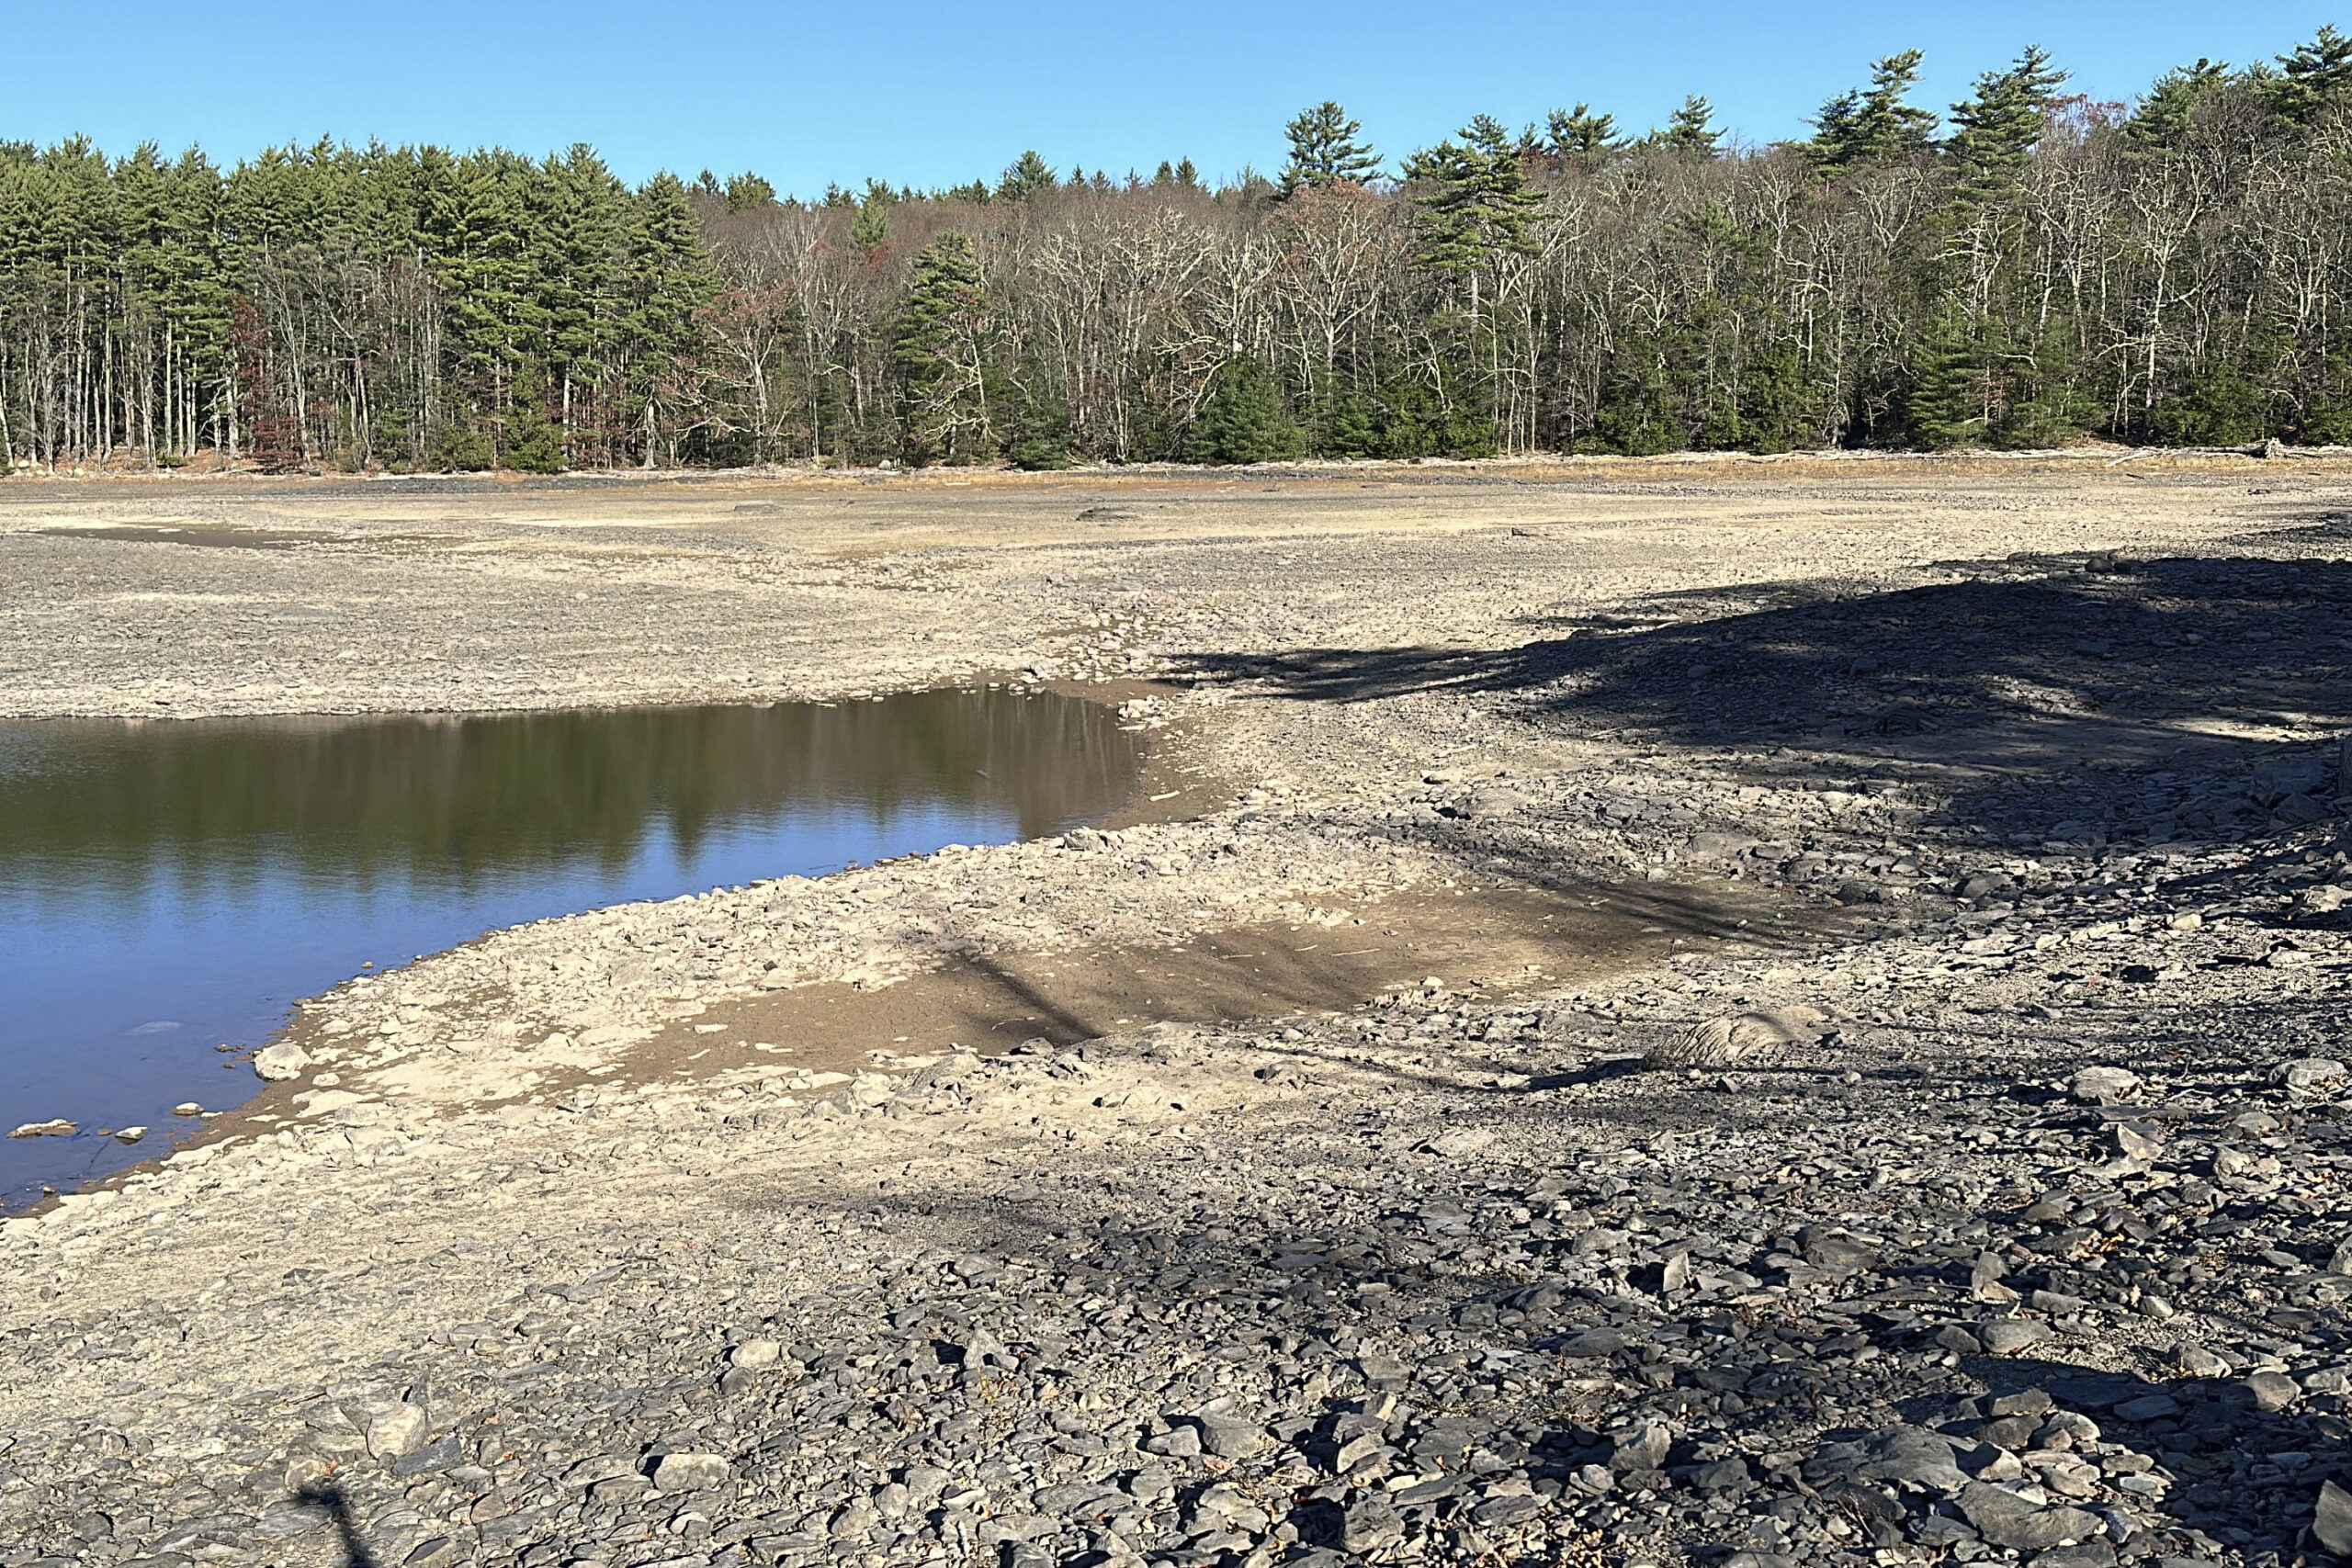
[167,888]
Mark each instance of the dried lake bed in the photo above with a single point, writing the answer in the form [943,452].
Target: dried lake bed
[695,1232]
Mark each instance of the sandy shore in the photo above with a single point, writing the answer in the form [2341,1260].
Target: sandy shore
[1475,783]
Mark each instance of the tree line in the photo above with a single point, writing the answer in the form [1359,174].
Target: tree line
[2028,269]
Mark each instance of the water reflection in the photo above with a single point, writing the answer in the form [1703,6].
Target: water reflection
[165,886]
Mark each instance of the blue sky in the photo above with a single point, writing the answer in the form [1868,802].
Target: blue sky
[929,94]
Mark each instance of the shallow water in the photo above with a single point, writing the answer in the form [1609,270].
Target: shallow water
[169,886]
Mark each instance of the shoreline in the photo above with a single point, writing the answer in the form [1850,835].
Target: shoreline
[1422,1266]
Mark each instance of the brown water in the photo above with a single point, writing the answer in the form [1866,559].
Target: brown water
[167,888]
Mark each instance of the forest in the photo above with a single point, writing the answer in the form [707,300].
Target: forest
[2028,269]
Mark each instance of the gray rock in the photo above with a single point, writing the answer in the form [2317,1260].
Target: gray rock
[1370,1524]
[2332,1518]
[1645,1448]
[2005,1336]
[1594,1343]
[692,1472]
[1228,1435]
[397,1430]
[2309,1074]
[432,1458]
[2104,1085]
[1722,1476]
[1891,1453]
[754,1354]
[2004,1519]
[2272,1391]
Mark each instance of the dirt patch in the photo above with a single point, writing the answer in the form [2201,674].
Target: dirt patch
[1501,942]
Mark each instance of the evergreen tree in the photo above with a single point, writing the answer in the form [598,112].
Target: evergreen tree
[1243,420]
[749,192]
[1327,149]
[1875,126]
[941,350]
[1691,130]
[2314,78]
[1024,177]
[1474,200]
[666,281]
[1994,132]
[2166,115]
[1581,136]
[872,230]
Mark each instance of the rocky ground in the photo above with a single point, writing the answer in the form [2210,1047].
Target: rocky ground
[1964,1181]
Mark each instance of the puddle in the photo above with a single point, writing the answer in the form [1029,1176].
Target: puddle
[167,888]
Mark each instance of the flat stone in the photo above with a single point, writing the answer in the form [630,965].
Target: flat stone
[2103,1086]
[281,1061]
[396,1431]
[2332,1518]
[2004,1336]
[692,1472]
[1891,1453]
[2004,1519]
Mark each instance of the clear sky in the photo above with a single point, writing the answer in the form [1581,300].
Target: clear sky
[922,93]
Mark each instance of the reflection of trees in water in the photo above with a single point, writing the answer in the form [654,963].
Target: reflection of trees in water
[115,803]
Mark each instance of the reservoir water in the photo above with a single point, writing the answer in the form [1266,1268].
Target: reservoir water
[168,887]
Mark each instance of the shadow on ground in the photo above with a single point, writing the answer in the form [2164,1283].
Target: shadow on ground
[2014,685]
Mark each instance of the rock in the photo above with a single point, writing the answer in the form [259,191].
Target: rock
[1228,1435]
[60,1128]
[2005,1336]
[1177,1442]
[1750,1038]
[2332,1518]
[129,1134]
[1370,1524]
[1645,1448]
[1912,1454]
[1594,1343]
[2340,1261]
[2103,1086]
[2200,1362]
[2149,1408]
[432,1458]
[281,1061]
[1722,1476]
[692,1472]
[1832,1248]
[2004,1519]
[754,1354]
[1957,1340]
[187,1108]
[400,1429]
[2272,1391]
[2134,1143]
[2309,1074]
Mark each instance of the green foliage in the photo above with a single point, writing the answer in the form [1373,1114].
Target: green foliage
[1947,405]
[1873,126]
[1995,131]
[1474,200]
[2316,77]
[1691,132]
[2166,114]
[872,230]
[1024,177]
[1244,420]
[1327,149]
[1581,136]
[747,192]
[941,348]
[2218,404]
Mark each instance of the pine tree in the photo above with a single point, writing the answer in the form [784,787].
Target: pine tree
[941,349]
[1874,126]
[1327,149]
[749,192]
[2316,77]
[1581,136]
[1691,132]
[1243,420]
[872,230]
[1994,132]
[2165,116]
[1474,198]
[1024,177]
[666,280]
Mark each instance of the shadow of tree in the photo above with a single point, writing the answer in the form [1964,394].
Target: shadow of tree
[2015,681]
